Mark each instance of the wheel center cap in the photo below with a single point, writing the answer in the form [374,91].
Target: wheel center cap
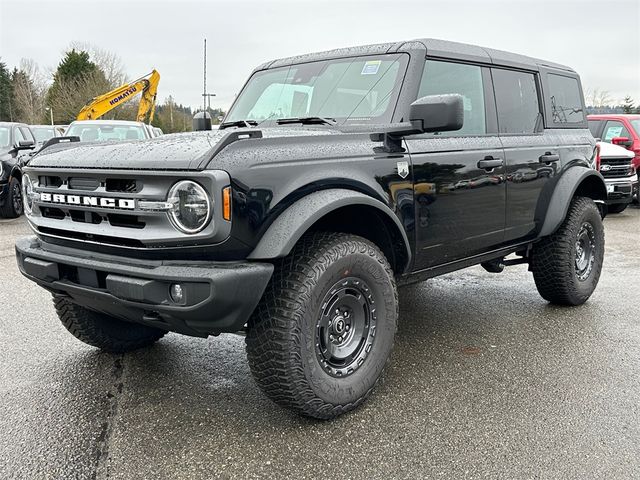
[338,324]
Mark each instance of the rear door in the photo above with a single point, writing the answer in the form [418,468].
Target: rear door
[459,187]
[532,157]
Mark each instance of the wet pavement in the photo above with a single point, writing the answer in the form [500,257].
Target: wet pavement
[487,381]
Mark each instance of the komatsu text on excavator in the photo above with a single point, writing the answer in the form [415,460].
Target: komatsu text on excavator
[102,104]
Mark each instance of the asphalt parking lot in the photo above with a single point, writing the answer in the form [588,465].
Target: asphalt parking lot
[487,381]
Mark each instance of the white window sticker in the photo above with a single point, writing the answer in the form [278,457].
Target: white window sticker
[371,67]
[612,132]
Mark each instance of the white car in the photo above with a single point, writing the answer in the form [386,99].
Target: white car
[616,166]
[108,130]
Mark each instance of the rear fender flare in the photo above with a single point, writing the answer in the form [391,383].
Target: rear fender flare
[578,179]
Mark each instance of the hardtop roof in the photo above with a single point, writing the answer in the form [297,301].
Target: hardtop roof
[433,47]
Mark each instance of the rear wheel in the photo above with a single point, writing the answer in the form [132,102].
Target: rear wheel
[13,206]
[103,331]
[566,265]
[617,207]
[323,332]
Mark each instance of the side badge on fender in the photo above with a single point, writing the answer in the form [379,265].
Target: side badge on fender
[403,169]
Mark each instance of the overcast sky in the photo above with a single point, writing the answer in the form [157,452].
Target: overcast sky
[599,39]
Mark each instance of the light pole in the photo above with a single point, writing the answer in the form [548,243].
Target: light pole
[50,110]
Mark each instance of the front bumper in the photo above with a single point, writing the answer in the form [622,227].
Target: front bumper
[621,190]
[218,296]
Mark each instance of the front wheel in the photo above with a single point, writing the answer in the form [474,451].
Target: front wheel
[324,329]
[566,265]
[13,206]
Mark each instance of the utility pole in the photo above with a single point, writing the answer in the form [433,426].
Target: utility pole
[206,97]
[204,91]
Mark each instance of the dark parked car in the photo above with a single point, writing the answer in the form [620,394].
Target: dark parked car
[335,178]
[15,140]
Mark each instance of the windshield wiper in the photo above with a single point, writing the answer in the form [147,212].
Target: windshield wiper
[239,123]
[307,121]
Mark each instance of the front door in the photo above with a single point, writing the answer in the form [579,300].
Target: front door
[459,189]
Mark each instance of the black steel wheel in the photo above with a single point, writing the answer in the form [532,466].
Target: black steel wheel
[566,265]
[323,332]
[13,206]
[345,325]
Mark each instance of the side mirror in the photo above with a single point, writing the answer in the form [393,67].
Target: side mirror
[623,141]
[25,145]
[437,113]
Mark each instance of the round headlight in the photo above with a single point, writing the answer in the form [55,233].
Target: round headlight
[27,193]
[191,206]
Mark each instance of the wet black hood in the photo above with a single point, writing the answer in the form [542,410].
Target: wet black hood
[183,151]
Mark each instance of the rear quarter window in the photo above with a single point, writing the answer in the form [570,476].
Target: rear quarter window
[564,100]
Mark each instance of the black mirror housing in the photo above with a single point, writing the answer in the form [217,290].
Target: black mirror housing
[437,113]
[25,144]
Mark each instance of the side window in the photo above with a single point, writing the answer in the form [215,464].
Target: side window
[614,129]
[18,137]
[440,78]
[26,133]
[516,101]
[594,127]
[565,99]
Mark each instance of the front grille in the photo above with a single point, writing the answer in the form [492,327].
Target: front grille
[616,167]
[91,237]
[108,206]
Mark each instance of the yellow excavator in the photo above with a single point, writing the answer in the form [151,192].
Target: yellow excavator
[147,85]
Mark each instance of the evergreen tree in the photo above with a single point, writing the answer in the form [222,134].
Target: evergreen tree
[627,104]
[6,94]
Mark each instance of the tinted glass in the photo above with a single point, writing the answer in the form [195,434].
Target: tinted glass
[565,99]
[635,124]
[26,133]
[614,129]
[594,127]
[440,78]
[18,134]
[359,89]
[516,101]
[5,137]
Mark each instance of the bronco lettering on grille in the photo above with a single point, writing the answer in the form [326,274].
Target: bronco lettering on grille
[105,202]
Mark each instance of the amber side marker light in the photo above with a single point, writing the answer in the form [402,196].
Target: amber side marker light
[226,203]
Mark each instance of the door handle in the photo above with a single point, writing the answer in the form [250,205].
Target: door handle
[549,157]
[489,163]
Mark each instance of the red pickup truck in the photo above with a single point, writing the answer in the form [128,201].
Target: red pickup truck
[619,129]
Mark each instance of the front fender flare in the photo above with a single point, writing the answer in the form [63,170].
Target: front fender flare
[286,230]
[565,189]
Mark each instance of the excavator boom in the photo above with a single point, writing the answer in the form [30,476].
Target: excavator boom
[103,104]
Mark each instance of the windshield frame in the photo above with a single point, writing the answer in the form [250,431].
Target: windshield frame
[403,57]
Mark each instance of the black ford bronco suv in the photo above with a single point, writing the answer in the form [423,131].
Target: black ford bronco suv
[335,178]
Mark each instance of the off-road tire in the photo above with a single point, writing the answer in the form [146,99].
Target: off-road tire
[617,207]
[282,341]
[13,207]
[553,259]
[103,331]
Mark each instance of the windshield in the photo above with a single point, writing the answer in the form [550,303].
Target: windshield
[106,132]
[359,89]
[42,134]
[4,137]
